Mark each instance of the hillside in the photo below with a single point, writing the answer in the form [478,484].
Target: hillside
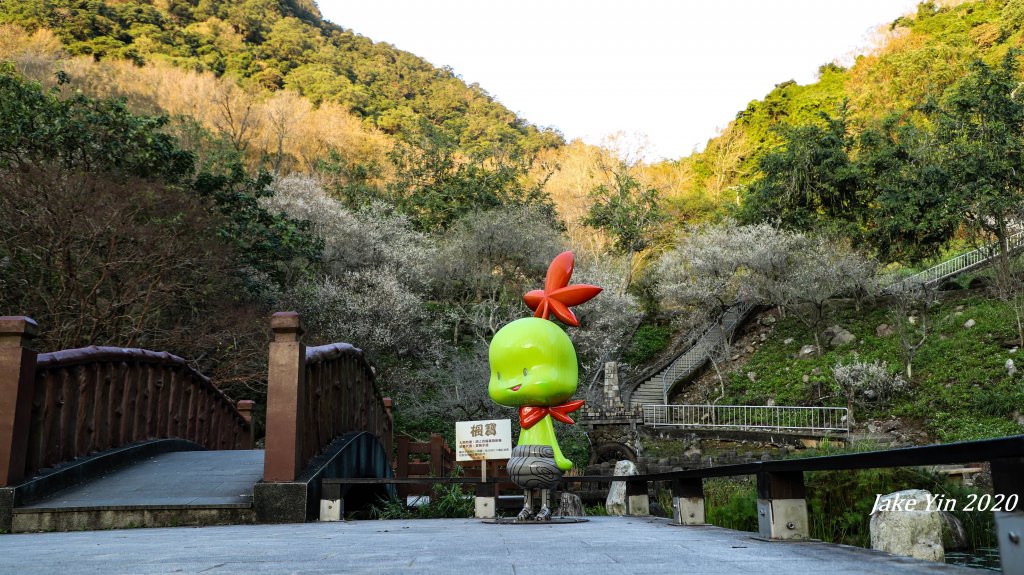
[914,61]
[274,45]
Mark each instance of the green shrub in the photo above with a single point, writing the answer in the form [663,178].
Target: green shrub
[647,342]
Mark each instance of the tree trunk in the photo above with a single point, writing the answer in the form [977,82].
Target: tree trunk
[629,272]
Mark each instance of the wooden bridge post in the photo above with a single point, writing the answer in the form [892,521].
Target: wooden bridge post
[782,505]
[688,501]
[285,395]
[17,385]
[1008,481]
[388,438]
[245,407]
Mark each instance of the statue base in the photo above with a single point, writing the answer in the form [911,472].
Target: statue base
[552,521]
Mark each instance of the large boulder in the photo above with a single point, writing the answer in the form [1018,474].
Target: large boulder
[954,536]
[902,523]
[616,503]
[838,336]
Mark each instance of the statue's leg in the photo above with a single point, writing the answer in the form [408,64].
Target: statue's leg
[545,510]
[527,511]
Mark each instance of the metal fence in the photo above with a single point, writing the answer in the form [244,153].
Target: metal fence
[953,266]
[749,417]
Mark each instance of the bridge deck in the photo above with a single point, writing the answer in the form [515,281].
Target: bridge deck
[605,545]
[183,478]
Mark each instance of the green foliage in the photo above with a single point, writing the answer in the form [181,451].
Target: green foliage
[286,43]
[436,187]
[272,244]
[960,390]
[628,210]
[83,134]
[647,342]
[731,503]
[808,179]
[446,501]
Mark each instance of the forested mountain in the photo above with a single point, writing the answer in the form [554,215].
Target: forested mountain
[285,44]
[813,154]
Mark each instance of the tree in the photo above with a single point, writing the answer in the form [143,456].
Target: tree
[981,130]
[915,214]
[629,211]
[909,312]
[809,180]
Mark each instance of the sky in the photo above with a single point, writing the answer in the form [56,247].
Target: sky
[669,74]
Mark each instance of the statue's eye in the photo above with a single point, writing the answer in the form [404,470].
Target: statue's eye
[499,376]
[524,372]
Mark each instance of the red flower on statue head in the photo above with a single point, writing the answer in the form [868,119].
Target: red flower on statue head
[558,295]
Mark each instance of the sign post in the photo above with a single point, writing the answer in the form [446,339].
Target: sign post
[481,441]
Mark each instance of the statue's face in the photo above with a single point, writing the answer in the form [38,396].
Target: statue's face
[533,362]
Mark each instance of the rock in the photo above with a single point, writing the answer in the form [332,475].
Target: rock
[615,504]
[842,338]
[1012,350]
[763,337]
[771,401]
[890,426]
[807,378]
[808,351]
[570,505]
[1018,417]
[735,357]
[787,341]
[884,330]
[958,313]
[872,428]
[692,452]
[970,323]
[959,308]
[870,394]
[1011,369]
[954,536]
[749,349]
[816,371]
[767,320]
[751,376]
[902,524]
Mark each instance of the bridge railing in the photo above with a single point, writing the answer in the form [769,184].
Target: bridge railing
[749,417]
[315,395]
[56,407]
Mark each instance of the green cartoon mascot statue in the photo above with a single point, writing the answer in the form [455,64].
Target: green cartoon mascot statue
[534,368]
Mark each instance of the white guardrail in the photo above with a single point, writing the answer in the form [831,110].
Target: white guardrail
[956,265]
[749,417]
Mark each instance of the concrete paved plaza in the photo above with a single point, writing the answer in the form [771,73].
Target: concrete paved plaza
[603,546]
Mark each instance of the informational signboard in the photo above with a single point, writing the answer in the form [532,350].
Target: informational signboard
[480,440]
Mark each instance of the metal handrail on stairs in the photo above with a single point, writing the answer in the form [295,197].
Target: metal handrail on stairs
[956,265]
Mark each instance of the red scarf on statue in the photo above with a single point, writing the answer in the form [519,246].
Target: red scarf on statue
[529,415]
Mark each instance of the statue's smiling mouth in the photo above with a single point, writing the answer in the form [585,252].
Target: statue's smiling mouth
[516,388]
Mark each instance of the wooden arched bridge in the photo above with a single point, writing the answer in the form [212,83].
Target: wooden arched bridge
[111,437]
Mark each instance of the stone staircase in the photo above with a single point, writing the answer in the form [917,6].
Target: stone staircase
[655,389]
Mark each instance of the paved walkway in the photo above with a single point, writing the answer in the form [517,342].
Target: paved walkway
[193,478]
[603,546]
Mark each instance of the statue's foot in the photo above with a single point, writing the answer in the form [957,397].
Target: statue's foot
[525,515]
[543,515]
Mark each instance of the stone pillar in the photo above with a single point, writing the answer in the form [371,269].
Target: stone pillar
[285,399]
[17,384]
[688,501]
[1008,480]
[612,391]
[244,407]
[782,505]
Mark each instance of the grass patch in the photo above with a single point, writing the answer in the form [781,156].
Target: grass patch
[648,341]
[960,390]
